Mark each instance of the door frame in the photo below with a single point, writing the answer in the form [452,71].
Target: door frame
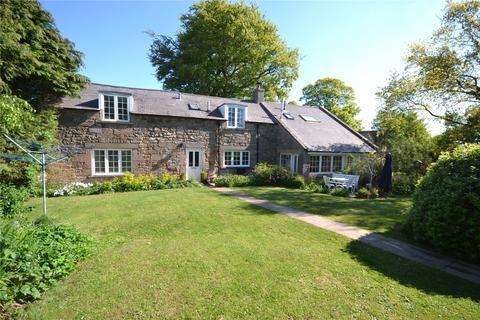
[293,166]
[200,158]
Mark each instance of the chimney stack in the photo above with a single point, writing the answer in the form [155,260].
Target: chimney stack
[258,94]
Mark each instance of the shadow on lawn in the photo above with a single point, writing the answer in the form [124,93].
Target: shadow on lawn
[411,274]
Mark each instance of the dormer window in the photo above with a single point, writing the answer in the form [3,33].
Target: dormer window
[235,116]
[115,107]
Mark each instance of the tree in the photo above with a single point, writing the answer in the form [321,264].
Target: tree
[37,68]
[294,103]
[36,63]
[225,49]
[405,135]
[441,76]
[457,134]
[335,96]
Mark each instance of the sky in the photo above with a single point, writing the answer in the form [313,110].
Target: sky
[358,41]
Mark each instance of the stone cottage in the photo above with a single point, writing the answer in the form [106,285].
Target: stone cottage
[144,131]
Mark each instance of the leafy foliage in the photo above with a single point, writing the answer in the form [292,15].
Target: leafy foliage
[128,182]
[225,49]
[264,175]
[441,75]
[403,183]
[340,192]
[12,200]
[37,68]
[405,136]
[35,256]
[233,180]
[456,134]
[446,204]
[363,193]
[335,96]
[37,64]
[15,113]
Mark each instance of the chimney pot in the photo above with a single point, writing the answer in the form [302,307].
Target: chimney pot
[258,94]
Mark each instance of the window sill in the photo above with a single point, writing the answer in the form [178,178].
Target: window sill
[235,167]
[115,122]
[96,175]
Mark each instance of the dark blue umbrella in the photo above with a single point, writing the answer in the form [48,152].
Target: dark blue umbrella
[385,183]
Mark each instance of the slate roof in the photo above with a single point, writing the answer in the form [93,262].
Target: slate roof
[327,134]
[165,103]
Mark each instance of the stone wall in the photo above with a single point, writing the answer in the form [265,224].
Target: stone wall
[159,143]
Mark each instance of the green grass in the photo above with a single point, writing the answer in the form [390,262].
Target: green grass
[380,215]
[195,253]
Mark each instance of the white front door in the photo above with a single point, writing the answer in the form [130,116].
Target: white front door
[194,166]
[289,161]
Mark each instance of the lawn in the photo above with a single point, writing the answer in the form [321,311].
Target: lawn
[379,215]
[195,253]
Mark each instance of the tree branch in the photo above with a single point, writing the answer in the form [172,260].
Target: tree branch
[423,107]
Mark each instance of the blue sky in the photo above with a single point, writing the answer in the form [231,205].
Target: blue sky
[359,42]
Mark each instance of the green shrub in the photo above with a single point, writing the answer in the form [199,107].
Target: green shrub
[231,180]
[403,184]
[362,193]
[128,182]
[446,204]
[340,192]
[204,176]
[270,175]
[35,256]
[295,181]
[12,200]
[316,188]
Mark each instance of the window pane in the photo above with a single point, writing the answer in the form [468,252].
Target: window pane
[314,163]
[337,163]
[349,160]
[113,161]
[126,161]
[190,158]
[197,159]
[122,104]
[295,163]
[108,107]
[231,117]
[236,158]
[326,163]
[228,158]
[240,118]
[285,160]
[99,157]
[245,158]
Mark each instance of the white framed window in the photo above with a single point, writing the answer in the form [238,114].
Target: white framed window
[289,161]
[314,163]
[115,107]
[235,116]
[236,159]
[111,162]
[328,163]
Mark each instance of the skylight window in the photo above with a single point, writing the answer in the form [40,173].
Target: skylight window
[308,118]
[287,115]
[193,106]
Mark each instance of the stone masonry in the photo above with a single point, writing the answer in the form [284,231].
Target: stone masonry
[159,143]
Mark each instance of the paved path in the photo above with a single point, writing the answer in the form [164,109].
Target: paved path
[411,252]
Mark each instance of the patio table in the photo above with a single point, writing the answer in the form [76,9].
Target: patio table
[340,181]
